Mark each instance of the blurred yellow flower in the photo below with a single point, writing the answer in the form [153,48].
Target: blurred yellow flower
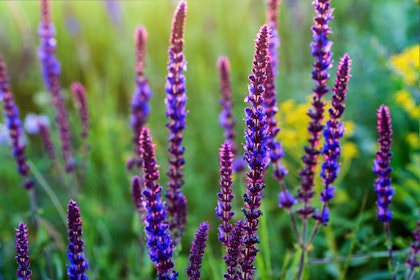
[407,64]
[413,140]
[407,102]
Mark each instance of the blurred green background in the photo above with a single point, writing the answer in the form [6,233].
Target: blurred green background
[95,47]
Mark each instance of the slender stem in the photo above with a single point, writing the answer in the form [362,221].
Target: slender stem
[294,226]
[303,247]
[356,257]
[389,245]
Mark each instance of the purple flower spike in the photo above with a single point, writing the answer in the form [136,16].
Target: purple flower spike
[381,165]
[272,21]
[413,260]
[224,206]
[137,185]
[156,227]
[78,264]
[197,252]
[321,50]
[140,108]
[175,101]
[233,252]
[22,250]
[256,154]
[44,130]
[332,135]
[14,125]
[50,67]
[81,104]
[286,200]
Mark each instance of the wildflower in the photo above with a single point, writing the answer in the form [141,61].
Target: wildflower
[22,250]
[140,108]
[197,251]
[176,112]
[14,126]
[381,165]
[256,154]
[333,132]
[78,265]
[272,21]
[407,63]
[413,260]
[233,252]
[321,50]
[224,206]
[80,98]
[156,227]
[137,184]
[51,73]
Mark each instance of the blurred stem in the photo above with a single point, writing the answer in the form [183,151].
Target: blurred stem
[357,257]
[389,246]
[303,249]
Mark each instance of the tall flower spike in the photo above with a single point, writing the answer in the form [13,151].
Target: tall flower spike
[197,251]
[137,185]
[175,102]
[256,153]
[233,252]
[321,50]
[413,260]
[156,227]
[14,125]
[272,21]
[22,250]
[224,206]
[78,264]
[332,135]
[140,108]
[79,93]
[50,67]
[381,165]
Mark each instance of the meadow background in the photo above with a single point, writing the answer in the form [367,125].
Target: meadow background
[95,46]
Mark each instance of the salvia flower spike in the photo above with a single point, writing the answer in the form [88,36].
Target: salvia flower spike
[256,151]
[224,206]
[197,252]
[140,107]
[50,68]
[176,112]
[156,228]
[272,20]
[137,185]
[233,252]
[22,253]
[79,93]
[333,132]
[381,166]
[321,51]
[78,263]
[14,125]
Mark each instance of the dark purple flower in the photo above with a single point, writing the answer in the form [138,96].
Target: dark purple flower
[272,21]
[140,108]
[14,126]
[381,165]
[224,206]
[44,130]
[413,260]
[22,253]
[233,252]
[321,50]
[333,132]
[157,229]
[50,67]
[256,151]
[175,102]
[78,264]
[137,185]
[197,251]
[286,199]
[81,104]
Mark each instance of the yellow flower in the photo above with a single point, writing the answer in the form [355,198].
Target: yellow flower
[407,102]
[413,140]
[407,64]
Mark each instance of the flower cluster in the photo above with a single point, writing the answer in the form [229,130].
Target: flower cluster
[175,101]
[224,206]
[14,126]
[333,132]
[81,103]
[197,251]
[78,264]
[22,250]
[321,50]
[233,252]
[156,227]
[140,108]
[50,67]
[413,260]
[381,165]
[256,151]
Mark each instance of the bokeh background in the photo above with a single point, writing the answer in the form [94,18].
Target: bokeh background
[95,47]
